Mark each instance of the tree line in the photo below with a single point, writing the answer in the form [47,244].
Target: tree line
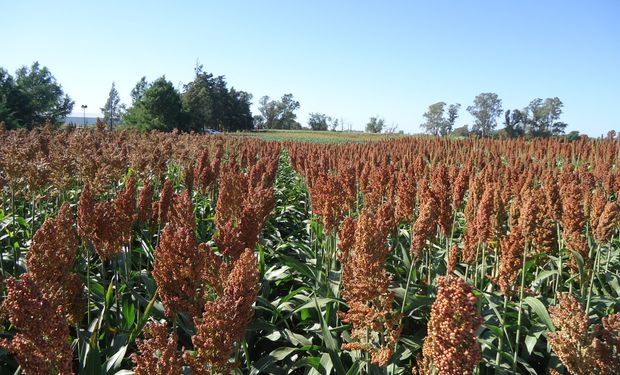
[33,96]
[540,118]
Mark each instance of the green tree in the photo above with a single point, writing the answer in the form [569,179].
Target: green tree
[113,110]
[544,117]
[12,101]
[515,123]
[211,105]
[32,98]
[436,123]
[573,136]
[453,114]
[278,114]
[334,124]
[137,93]
[319,121]
[462,131]
[375,125]
[434,118]
[487,107]
[159,107]
[240,115]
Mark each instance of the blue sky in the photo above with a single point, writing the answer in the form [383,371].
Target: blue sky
[347,59]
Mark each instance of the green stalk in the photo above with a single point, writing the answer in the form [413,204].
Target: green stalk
[247,354]
[32,213]
[558,279]
[8,241]
[520,314]
[409,275]
[608,259]
[484,266]
[476,266]
[87,250]
[115,264]
[405,297]
[427,257]
[15,250]
[500,344]
[450,239]
[596,260]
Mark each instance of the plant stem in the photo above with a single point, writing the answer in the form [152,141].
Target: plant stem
[500,344]
[596,259]
[558,280]
[484,266]
[608,258]
[87,251]
[15,250]
[409,275]
[520,314]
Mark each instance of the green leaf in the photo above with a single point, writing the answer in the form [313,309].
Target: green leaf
[325,365]
[544,275]
[580,264]
[91,361]
[115,361]
[143,319]
[354,369]
[319,302]
[527,366]
[129,312]
[304,315]
[530,343]
[330,343]
[109,294]
[312,362]
[614,282]
[96,288]
[276,273]
[541,312]
[262,365]
[298,266]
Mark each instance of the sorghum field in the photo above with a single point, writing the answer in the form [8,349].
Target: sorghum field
[169,253]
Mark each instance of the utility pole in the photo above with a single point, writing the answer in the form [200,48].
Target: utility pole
[84,106]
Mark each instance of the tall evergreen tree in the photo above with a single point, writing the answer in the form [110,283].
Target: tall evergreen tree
[113,109]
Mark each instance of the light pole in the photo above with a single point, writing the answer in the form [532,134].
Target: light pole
[84,106]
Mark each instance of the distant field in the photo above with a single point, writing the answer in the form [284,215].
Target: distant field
[318,136]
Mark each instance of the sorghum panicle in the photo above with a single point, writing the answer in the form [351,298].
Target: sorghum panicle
[425,226]
[157,352]
[223,322]
[125,206]
[164,203]
[178,270]
[608,222]
[50,261]
[365,286]
[41,343]
[86,220]
[145,203]
[451,343]
[405,197]
[511,260]
[583,351]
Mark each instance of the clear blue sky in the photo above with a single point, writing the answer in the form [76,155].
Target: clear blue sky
[347,59]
